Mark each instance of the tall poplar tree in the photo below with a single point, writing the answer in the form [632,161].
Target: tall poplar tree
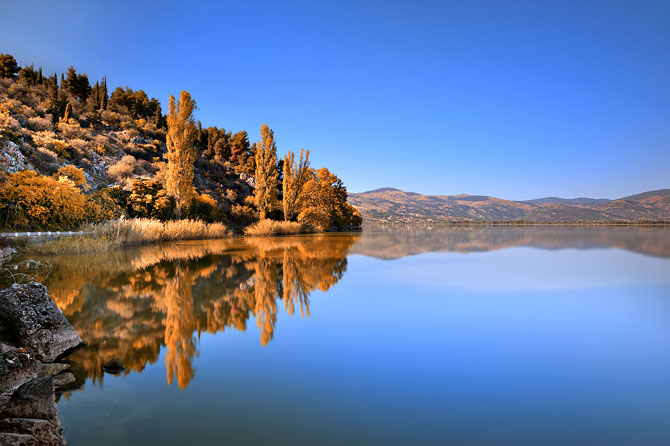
[295,177]
[181,153]
[266,172]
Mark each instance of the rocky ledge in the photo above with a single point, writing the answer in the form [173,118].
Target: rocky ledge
[34,334]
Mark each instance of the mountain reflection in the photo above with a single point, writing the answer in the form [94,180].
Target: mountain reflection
[129,304]
[396,241]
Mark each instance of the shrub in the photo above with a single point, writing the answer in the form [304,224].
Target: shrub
[148,199]
[204,207]
[47,139]
[124,168]
[243,214]
[33,201]
[72,174]
[231,195]
[37,123]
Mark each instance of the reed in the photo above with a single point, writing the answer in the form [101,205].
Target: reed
[273,227]
[133,232]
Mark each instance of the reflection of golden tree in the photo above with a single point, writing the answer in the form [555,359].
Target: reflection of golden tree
[128,304]
[180,324]
[293,289]
[265,298]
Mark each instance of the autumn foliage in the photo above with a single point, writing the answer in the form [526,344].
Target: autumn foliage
[34,201]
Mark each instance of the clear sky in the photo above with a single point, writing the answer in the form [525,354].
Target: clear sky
[516,99]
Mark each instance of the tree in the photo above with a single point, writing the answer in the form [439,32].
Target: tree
[295,177]
[28,75]
[8,66]
[239,146]
[77,84]
[103,104]
[158,116]
[55,104]
[266,172]
[68,112]
[326,202]
[181,154]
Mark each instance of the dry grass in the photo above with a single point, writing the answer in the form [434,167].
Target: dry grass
[132,232]
[273,227]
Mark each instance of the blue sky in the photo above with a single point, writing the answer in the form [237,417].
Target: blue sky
[516,99]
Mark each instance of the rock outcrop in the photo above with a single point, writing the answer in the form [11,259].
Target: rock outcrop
[31,319]
[5,254]
[34,334]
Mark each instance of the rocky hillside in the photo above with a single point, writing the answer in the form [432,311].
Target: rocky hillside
[393,205]
[44,128]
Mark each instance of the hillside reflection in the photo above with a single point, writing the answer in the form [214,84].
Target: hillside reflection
[396,241]
[129,304]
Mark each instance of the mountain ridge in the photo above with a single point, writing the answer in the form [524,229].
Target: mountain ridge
[388,204]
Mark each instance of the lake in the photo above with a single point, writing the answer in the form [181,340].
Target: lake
[399,335]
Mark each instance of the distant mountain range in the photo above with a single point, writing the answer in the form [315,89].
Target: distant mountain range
[393,205]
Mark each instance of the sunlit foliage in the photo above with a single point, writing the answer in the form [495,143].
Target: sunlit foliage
[266,172]
[295,178]
[31,200]
[325,202]
[181,154]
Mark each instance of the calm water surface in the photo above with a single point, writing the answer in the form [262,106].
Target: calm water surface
[492,335]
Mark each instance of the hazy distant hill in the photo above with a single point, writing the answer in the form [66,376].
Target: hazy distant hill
[388,204]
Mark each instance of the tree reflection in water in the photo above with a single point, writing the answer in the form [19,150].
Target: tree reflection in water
[128,304]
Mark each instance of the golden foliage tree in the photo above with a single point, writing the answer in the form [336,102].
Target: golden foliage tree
[266,173]
[181,153]
[295,177]
[325,202]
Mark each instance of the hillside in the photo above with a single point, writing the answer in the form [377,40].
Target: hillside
[71,153]
[393,205]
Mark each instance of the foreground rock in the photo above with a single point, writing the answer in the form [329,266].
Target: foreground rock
[34,333]
[28,413]
[31,319]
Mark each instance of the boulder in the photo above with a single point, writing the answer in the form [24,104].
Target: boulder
[31,319]
[12,159]
[28,412]
[31,416]
[5,254]
[64,380]
[114,366]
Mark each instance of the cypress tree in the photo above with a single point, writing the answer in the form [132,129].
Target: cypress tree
[181,154]
[103,105]
[158,116]
[94,98]
[68,112]
[54,100]
[266,173]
